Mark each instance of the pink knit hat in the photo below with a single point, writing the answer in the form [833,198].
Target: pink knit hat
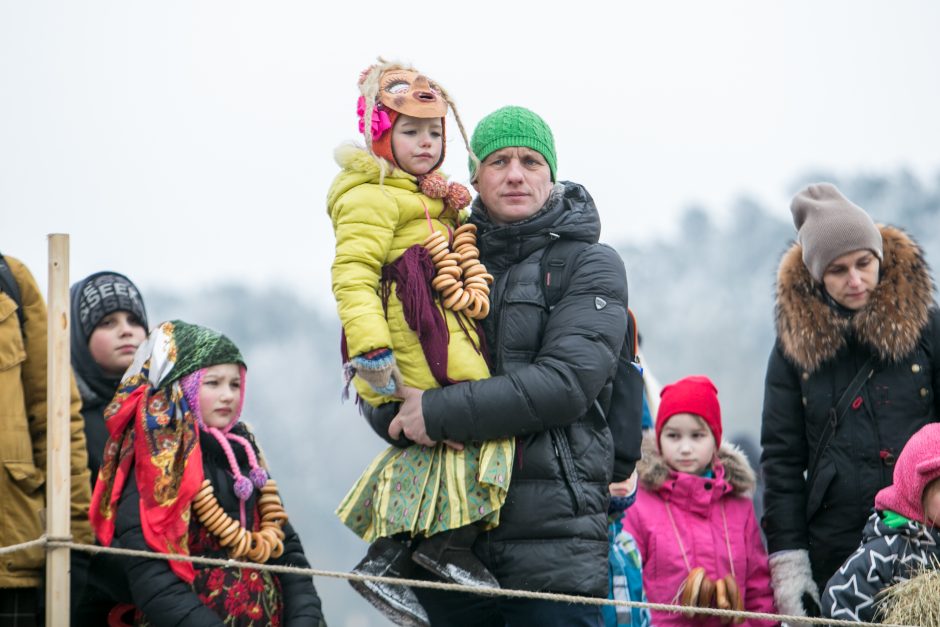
[917,465]
[258,476]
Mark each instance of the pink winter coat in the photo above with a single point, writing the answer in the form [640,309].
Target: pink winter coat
[696,504]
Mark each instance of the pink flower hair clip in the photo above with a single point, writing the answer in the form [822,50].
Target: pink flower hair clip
[380,120]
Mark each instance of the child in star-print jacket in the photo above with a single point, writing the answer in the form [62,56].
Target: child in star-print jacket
[900,539]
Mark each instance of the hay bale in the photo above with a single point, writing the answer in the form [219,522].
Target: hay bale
[913,602]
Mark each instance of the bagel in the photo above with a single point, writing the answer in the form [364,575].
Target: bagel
[455,296]
[433,237]
[466,228]
[721,599]
[265,551]
[278,549]
[204,491]
[280,516]
[450,289]
[274,527]
[446,263]
[220,525]
[734,597]
[690,589]
[440,255]
[212,516]
[257,547]
[436,248]
[454,272]
[204,506]
[478,284]
[462,302]
[269,498]
[475,305]
[470,253]
[706,594]
[239,546]
[469,263]
[476,270]
[442,282]
[228,537]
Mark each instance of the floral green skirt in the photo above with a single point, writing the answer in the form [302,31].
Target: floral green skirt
[425,490]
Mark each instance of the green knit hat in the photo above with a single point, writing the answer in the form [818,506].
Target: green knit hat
[512,126]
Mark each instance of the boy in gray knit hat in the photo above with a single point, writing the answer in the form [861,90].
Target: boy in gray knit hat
[830,225]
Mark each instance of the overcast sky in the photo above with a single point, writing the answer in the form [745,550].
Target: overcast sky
[186,143]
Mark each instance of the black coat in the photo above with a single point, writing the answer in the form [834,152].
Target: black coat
[549,367]
[819,350]
[167,600]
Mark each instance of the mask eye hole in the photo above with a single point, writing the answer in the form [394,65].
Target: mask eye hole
[397,87]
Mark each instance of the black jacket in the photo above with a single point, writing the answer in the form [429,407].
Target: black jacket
[166,599]
[819,350]
[549,367]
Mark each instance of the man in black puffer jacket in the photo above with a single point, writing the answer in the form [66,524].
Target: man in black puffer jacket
[551,385]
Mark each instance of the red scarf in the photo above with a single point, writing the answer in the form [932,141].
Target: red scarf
[152,432]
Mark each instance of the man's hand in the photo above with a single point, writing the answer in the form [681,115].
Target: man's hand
[410,420]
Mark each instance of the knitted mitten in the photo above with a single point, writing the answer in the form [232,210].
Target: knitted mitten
[795,592]
[378,369]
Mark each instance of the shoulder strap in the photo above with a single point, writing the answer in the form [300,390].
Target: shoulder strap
[858,382]
[836,413]
[9,286]
[633,334]
[556,265]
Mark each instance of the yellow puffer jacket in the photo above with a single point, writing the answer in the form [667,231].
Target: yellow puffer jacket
[374,224]
[23,437]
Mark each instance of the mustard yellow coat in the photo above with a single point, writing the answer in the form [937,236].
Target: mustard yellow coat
[23,437]
[374,224]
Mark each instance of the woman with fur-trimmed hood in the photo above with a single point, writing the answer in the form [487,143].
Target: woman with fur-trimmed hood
[693,520]
[854,373]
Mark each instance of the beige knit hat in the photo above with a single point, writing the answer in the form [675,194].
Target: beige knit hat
[829,225]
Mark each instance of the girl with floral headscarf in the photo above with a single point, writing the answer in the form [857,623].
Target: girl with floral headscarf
[181,475]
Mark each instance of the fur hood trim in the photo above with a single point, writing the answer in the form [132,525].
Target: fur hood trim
[653,471]
[350,156]
[811,331]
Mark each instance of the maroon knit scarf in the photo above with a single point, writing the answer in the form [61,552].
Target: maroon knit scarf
[412,273]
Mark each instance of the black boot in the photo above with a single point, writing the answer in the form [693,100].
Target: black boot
[449,555]
[398,603]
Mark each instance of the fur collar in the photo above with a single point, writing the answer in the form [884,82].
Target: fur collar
[653,471]
[358,168]
[349,156]
[811,331]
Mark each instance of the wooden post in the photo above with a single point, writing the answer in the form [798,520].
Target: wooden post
[58,440]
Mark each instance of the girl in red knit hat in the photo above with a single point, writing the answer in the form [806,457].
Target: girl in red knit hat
[693,519]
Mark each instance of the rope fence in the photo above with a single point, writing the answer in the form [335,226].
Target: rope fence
[66,542]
